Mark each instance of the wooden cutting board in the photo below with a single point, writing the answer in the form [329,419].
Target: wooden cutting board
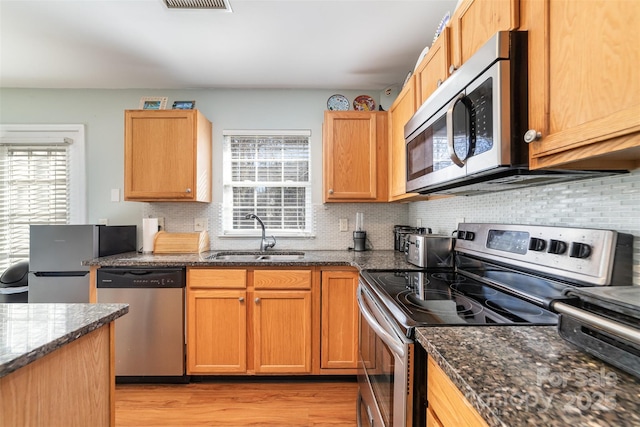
[180,243]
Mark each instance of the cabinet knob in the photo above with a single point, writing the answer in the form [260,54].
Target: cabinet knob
[257,300]
[532,135]
[188,191]
[331,191]
[439,82]
[452,68]
[241,299]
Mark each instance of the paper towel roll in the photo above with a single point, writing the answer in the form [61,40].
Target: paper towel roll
[149,230]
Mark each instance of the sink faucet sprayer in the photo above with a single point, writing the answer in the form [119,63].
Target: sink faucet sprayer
[265,243]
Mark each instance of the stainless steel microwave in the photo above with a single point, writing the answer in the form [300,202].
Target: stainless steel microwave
[468,136]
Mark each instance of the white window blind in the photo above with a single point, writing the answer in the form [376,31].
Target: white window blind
[268,174]
[37,184]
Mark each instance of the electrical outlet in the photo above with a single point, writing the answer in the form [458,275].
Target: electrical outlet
[115,194]
[200,224]
[344,224]
[161,223]
[103,221]
[418,222]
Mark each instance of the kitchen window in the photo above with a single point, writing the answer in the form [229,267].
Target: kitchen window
[267,173]
[41,181]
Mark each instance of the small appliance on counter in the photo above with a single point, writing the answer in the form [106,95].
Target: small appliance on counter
[604,322]
[401,233]
[429,250]
[359,235]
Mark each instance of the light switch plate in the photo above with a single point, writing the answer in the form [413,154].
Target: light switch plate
[115,194]
[344,224]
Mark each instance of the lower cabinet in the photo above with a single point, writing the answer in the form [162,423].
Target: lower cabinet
[282,332]
[447,405]
[248,321]
[339,320]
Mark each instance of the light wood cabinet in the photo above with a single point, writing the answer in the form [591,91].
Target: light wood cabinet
[475,21]
[339,320]
[402,109]
[355,150]
[282,332]
[167,156]
[447,405]
[584,93]
[433,69]
[249,321]
[216,321]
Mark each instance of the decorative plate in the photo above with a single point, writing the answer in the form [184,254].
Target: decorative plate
[443,23]
[338,102]
[364,103]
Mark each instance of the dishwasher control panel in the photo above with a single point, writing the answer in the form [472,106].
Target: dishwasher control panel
[141,278]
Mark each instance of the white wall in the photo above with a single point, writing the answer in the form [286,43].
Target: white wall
[102,113]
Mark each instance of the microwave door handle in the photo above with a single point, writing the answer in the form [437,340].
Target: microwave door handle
[452,152]
[385,336]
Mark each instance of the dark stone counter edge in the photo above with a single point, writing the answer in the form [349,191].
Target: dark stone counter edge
[69,337]
[485,412]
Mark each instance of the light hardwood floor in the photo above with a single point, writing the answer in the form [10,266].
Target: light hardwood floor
[268,402]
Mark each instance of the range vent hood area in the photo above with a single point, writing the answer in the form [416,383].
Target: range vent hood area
[511,179]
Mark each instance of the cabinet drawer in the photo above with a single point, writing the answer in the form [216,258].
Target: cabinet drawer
[282,279]
[216,278]
[447,402]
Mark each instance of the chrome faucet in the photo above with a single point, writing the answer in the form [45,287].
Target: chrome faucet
[265,243]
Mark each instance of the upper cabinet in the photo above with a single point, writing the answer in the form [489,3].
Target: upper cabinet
[354,156]
[584,90]
[475,21]
[399,114]
[433,69]
[167,156]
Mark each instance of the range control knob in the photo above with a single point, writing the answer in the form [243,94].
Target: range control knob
[537,245]
[557,247]
[579,250]
[470,235]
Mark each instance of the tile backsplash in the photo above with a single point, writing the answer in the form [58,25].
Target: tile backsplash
[379,219]
[608,203]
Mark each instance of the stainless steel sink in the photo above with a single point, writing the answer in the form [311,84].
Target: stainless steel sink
[257,256]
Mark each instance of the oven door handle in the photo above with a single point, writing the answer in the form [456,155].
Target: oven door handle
[393,343]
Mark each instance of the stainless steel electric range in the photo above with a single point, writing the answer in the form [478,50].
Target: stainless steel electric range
[503,275]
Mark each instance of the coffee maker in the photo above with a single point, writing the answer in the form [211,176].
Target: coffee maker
[359,235]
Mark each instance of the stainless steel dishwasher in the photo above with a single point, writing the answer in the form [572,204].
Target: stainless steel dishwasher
[150,339]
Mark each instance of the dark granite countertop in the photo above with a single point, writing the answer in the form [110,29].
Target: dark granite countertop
[387,259]
[530,376]
[31,331]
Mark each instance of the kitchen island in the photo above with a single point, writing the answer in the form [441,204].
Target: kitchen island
[528,375]
[56,364]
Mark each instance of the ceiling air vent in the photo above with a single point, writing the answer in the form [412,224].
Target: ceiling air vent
[198,4]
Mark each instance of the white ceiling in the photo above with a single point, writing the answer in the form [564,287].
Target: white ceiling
[313,44]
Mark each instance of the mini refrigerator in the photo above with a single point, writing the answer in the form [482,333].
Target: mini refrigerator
[56,253]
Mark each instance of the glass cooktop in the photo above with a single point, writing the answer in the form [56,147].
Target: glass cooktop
[423,298]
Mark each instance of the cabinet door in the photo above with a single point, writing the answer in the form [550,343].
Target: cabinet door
[584,90]
[339,321]
[354,156]
[433,69]
[448,404]
[282,332]
[400,112]
[167,156]
[475,21]
[216,331]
